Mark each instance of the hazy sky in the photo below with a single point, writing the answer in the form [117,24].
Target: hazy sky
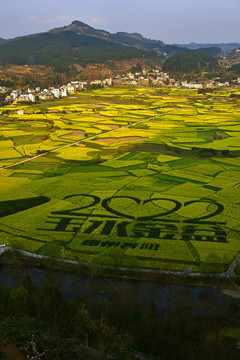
[172,21]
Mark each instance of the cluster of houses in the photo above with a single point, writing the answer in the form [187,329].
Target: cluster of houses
[156,77]
[33,95]
[51,93]
[144,78]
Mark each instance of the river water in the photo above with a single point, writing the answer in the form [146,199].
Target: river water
[142,294]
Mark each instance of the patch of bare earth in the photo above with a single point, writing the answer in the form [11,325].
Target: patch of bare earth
[73,133]
[125,139]
[42,138]
[111,126]
[29,128]
[94,107]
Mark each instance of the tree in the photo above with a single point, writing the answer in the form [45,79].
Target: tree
[18,301]
[2,97]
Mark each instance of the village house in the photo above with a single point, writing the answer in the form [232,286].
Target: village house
[3,89]
[130,76]
[32,97]
[56,92]
[80,85]
[46,96]
[22,98]
[192,85]
[15,94]
[133,82]
[71,88]
[30,90]
[63,91]
[219,84]
[209,84]
[20,111]
[96,82]
[107,82]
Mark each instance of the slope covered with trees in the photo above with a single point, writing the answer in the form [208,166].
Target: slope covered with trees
[236,69]
[190,62]
[65,48]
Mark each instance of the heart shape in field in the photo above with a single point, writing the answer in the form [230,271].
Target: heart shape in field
[134,208]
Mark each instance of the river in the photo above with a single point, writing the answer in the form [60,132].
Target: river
[141,294]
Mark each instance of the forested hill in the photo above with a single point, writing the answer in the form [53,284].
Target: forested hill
[190,62]
[79,43]
[122,38]
[223,46]
[65,48]
[213,51]
[236,69]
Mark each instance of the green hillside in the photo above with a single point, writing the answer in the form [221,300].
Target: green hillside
[190,62]
[236,69]
[63,49]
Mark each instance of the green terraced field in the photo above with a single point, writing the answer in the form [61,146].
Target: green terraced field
[154,176]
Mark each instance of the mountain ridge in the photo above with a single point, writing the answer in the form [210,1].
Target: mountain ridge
[122,38]
[223,46]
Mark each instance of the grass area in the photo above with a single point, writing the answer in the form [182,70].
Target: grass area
[165,192]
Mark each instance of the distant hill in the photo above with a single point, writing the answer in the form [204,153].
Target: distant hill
[213,51]
[121,38]
[79,43]
[222,46]
[2,40]
[190,62]
[63,48]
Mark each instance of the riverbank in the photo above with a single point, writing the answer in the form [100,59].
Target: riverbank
[228,286]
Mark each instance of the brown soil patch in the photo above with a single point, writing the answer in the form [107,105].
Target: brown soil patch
[128,139]
[42,138]
[82,145]
[111,126]
[29,128]
[74,133]
[93,107]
